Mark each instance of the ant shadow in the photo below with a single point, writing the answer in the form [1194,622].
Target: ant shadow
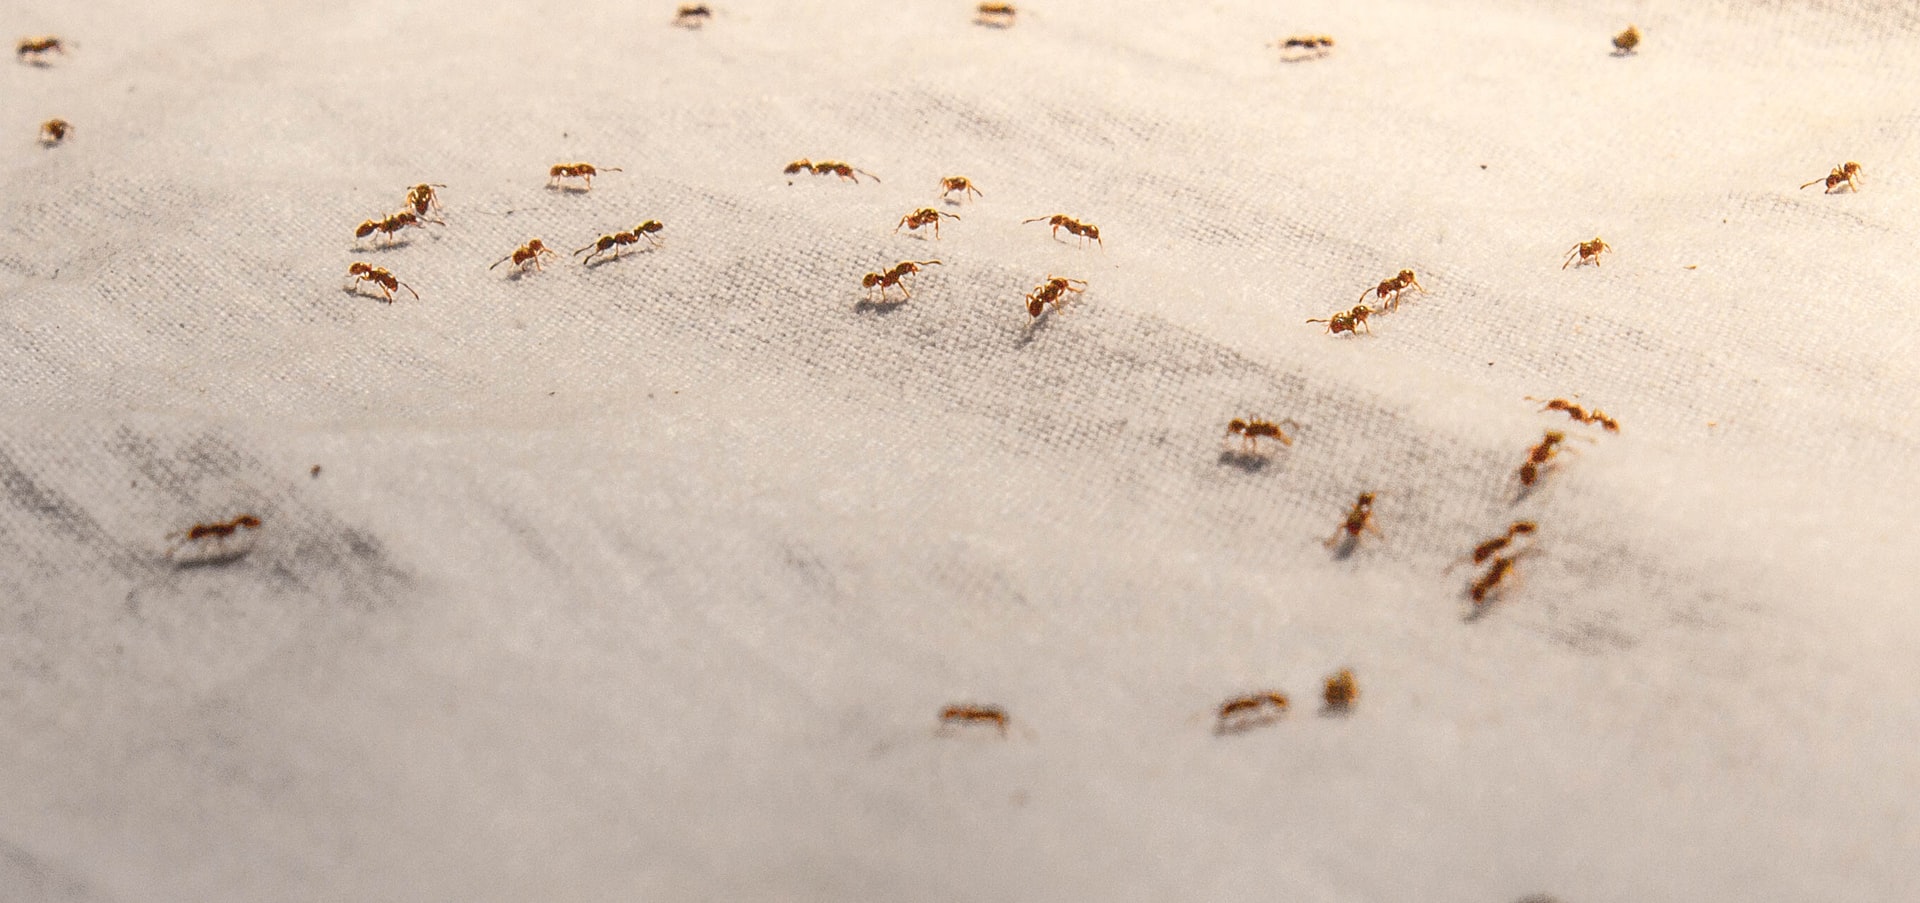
[881,308]
[1246,461]
[605,259]
[1033,329]
[1242,726]
[569,189]
[357,292]
[382,246]
[1336,710]
[1345,547]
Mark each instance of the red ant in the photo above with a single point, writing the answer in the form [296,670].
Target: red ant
[54,131]
[843,170]
[1053,291]
[692,15]
[528,253]
[1581,414]
[391,224]
[951,184]
[1394,287]
[1515,530]
[1540,455]
[1251,431]
[584,171]
[1847,174]
[974,714]
[422,198]
[893,277]
[619,240]
[211,541]
[38,48]
[1359,518]
[1252,710]
[1341,691]
[1073,226]
[1586,251]
[924,216]
[365,272]
[1303,47]
[1348,321]
[995,15]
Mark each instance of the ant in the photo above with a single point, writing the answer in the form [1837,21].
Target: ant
[1251,431]
[962,184]
[1305,47]
[1348,321]
[1243,713]
[995,15]
[1515,530]
[54,131]
[1391,289]
[923,217]
[1482,590]
[892,277]
[974,714]
[38,48]
[692,15]
[584,171]
[1341,691]
[1847,174]
[391,224]
[1581,414]
[422,198]
[525,254]
[1073,226]
[379,276]
[619,240]
[1624,42]
[1053,291]
[1587,251]
[213,540]
[1359,519]
[843,170]
[1540,455]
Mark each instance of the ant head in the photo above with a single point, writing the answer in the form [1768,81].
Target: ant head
[1366,498]
[1522,528]
[246,520]
[1554,436]
[536,245]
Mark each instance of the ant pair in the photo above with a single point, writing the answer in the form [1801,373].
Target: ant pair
[1580,414]
[1389,292]
[618,241]
[843,170]
[1243,713]
[1482,588]
[1054,291]
[893,277]
[362,273]
[1073,226]
[582,171]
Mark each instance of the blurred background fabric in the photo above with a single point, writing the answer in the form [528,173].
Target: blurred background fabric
[647,580]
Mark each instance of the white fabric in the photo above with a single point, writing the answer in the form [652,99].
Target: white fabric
[647,580]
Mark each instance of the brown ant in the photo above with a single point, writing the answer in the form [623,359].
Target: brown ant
[1341,691]
[1482,589]
[422,198]
[1348,321]
[995,15]
[1581,414]
[1359,519]
[528,253]
[1243,713]
[692,15]
[1054,291]
[1847,174]
[1586,251]
[38,48]
[54,131]
[843,170]
[893,277]
[1515,530]
[1251,431]
[1540,455]
[362,272]
[1624,42]
[924,216]
[391,224]
[1391,289]
[1303,47]
[1073,226]
[974,714]
[962,184]
[212,540]
[584,171]
[618,240]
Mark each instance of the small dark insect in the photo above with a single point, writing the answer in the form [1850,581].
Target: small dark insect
[824,167]
[962,715]
[692,15]
[315,472]
[389,225]
[582,171]
[528,253]
[1341,691]
[925,216]
[1073,226]
[1304,47]
[1391,289]
[422,198]
[995,15]
[618,241]
[951,184]
[1054,291]
[1586,251]
[1540,455]
[35,50]
[213,542]
[362,272]
[1482,589]
[1359,519]
[1847,174]
[1624,42]
[1581,414]
[1515,530]
[893,276]
[54,131]
[1243,713]
[1251,431]
[1348,321]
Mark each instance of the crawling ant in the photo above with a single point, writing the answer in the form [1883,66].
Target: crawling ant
[1624,42]
[692,15]
[38,48]
[1515,530]
[1341,691]
[619,240]
[1251,431]
[1243,713]
[843,170]
[925,216]
[1073,226]
[1303,47]
[583,171]
[995,15]
[1581,414]
[528,253]
[1586,251]
[1391,289]
[54,131]
[422,198]
[1847,174]
[951,184]
[961,715]
[1359,519]
[1482,589]
[391,224]
[1054,291]
[213,542]
[362,272]
[893,276]
[1540,455]
[1349,321]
